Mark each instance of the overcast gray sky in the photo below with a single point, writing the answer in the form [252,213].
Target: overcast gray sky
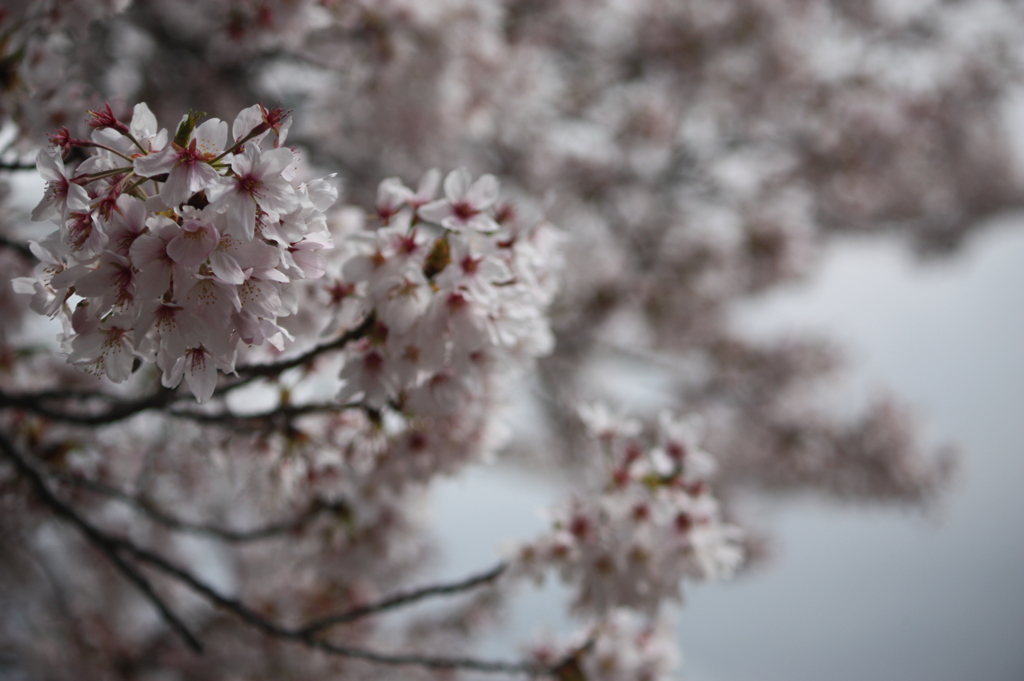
[858,593]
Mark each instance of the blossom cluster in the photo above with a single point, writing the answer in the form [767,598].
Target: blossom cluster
[180,249]
[696,153]
[654,523]
[622,647]
[457,291]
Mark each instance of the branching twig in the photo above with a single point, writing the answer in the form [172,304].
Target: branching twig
[402,599]
[249,372]
[225,534]
[257,621]
[120,409]
[109,546]
[114,547]
[268,420]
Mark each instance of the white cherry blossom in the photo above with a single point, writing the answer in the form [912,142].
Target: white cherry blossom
[465,204]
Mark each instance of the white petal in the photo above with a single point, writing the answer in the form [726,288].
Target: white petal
[436,211]
[156,164]
[195,243]
[484,192]
[225,267]
[200,374]
[457,184]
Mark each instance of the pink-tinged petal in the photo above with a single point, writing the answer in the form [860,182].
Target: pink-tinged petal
[213,301]
[457,184]
[132,212]
[118,355]
[483,223]
[25,285]
[77,195]
[95,283]
[269,274]
[159,163]
[195,243]
[200,373]
[427,188]
[241,216]
[436,211]
[143,121]
[109,137]
[274,161]
[153,282]
[282,131]
[247,325]
[68,277]
[211,137]
[172,324]
[246,121]
[219,191]
[225,267]
[277,196]
[46,207]
[50,164]
[87,345]
[254,254]
[176,189]
[203,176]
[484,192]
[391,195]
[147,249]
[244,163]
[173,369]
[322,193]
[262,298]
[312,264]
[45,251]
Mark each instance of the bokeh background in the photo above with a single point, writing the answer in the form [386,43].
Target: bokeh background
[853,592]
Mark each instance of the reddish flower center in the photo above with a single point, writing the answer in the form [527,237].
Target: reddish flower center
[464,210]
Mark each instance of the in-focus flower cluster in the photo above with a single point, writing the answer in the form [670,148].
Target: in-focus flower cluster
[457,292]
[181,249]
[654,523]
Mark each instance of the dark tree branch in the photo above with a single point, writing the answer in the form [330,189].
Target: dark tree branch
[274,419]
[17,166]
[109,546]
[224,534]
[249,372]
[118,411]
[114,547]
[257,621]
[18,247]
[403,599]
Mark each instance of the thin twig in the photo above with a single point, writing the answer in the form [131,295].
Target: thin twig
[113,547]
[273,419]
[123,409]
[120,410]
[109,546]
[225,534]
[257,621]
[403,599]
[249,372]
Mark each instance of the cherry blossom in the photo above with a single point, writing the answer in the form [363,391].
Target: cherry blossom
[692,155]
[465,204]
[177,284]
